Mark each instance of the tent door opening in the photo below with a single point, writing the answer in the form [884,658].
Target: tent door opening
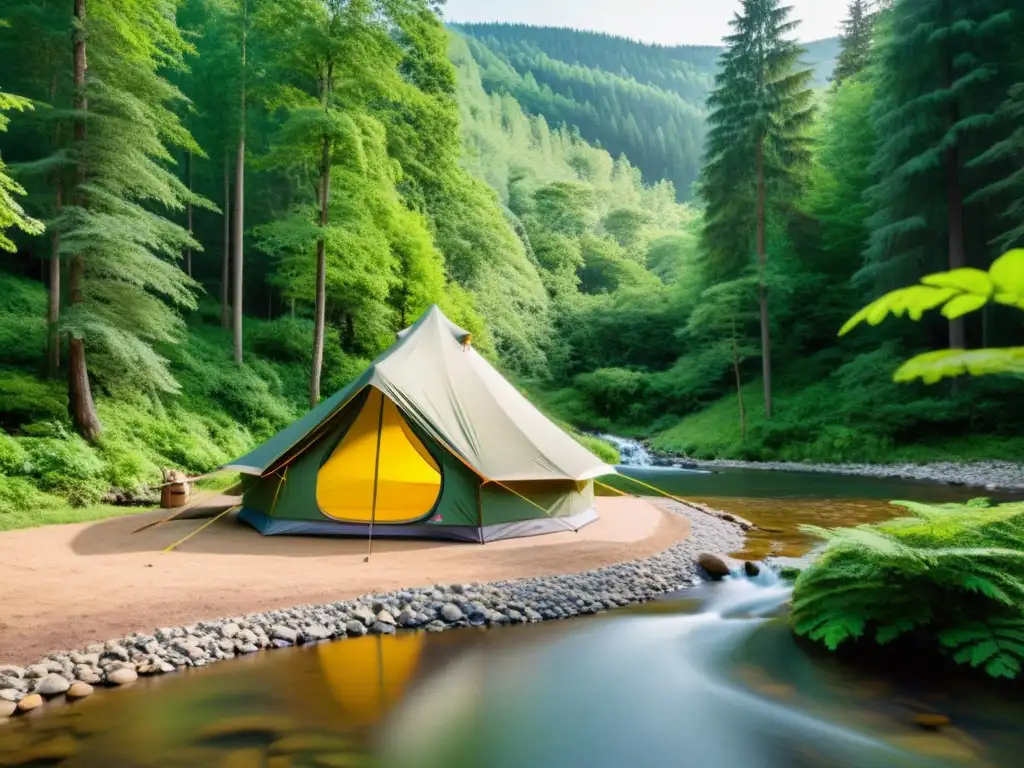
[408,479]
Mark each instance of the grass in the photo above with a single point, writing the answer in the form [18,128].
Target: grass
[61,514]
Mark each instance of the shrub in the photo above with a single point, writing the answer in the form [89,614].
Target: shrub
[18,494]
[27,398]
[69,467]
[22,320]
[952,575]
[14,459]
[286,340]
[613,392]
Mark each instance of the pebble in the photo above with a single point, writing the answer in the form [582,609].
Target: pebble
[280,632]
[80,690]
[9,670]
[451,613]
[122,676]
[30,702]
[7,708]
[355,628]
[11,694]
[51,685]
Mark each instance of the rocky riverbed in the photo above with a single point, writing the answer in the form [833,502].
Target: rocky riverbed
[991,475]
[74,674]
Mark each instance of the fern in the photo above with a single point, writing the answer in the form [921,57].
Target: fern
[954,573]
[998,644]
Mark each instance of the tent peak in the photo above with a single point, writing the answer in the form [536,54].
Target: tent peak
[435,317]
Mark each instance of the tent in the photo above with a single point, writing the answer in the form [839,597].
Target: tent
[431,441]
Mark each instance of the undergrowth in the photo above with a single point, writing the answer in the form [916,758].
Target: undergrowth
[950,575]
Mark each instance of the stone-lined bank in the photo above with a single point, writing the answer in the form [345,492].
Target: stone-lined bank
[992,475]
[433,609]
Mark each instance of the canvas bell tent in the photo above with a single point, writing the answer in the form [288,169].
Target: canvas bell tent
[431,441]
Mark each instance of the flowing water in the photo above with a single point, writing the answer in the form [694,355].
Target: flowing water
[711,676]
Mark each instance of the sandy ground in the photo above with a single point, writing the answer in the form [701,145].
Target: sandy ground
[66,586]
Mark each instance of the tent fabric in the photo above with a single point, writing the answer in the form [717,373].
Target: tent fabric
[447,390]
[379,471]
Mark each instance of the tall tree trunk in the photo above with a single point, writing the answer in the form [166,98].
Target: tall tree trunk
[739,382]
[954,192]
[766,333]
[53,310]
[225,264]
[80,402]
[321,276]
[239,218]
[188,251]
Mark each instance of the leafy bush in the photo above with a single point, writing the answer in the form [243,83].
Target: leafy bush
[613,392]
[67,466]
[22,320]
[952,575]
[285,340]
[604,450]
[18,494]
[14,459]
[27,398]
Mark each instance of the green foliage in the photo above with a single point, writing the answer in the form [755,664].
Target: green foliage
[958,292]
[11,212]
[952,575]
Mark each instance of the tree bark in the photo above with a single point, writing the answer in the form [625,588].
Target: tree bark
[188,251]
[739,382]
[225,265]
[80,402]
[321,276]
[239,217]
[766,333]
[53,310]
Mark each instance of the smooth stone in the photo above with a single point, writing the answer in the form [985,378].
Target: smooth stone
[36,671]
[10,670]
[716,566]
[7,708]
[363,614]
[380,628]
[80,690]
[452,613]
[122,676]
[407,618]
[316,632]
[386,618]
[753,570]
[51,685]
[281,632]
[230,630]
[11,694]
[355,628]
[30,702]
[244,648]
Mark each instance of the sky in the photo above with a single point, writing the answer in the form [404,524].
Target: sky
[670,22]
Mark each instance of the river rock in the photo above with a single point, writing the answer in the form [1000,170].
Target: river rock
[380,628]
[7,708]
[717,566]
[752,569]
[51,685]
[364,614]
[80,690]
[281,632]
[122,676]
[452,613]
[11,694]
[355,628]
[30,702]
[35,671]
[316,632]
[9,670]
[230,630]
[386,618]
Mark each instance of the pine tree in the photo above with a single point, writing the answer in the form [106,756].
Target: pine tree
[120,250]
[760,111]
[11,212]
[939,65]
[855,41]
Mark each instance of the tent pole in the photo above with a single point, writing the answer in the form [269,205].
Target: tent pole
[376,475]
[479,513]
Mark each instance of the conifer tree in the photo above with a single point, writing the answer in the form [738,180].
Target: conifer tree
[11,212]
[939,90]
[855,41]
[760,111]
[121,249]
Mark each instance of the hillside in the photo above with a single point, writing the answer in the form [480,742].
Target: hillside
[644,101]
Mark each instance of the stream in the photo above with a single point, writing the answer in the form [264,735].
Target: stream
[711,676]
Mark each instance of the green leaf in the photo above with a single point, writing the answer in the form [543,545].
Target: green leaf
[963,305]
[967,280]
[933,367]
[1007,275]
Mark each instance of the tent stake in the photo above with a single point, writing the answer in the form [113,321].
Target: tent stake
[376,475]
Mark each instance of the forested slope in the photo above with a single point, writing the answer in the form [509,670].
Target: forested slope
[644,101]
